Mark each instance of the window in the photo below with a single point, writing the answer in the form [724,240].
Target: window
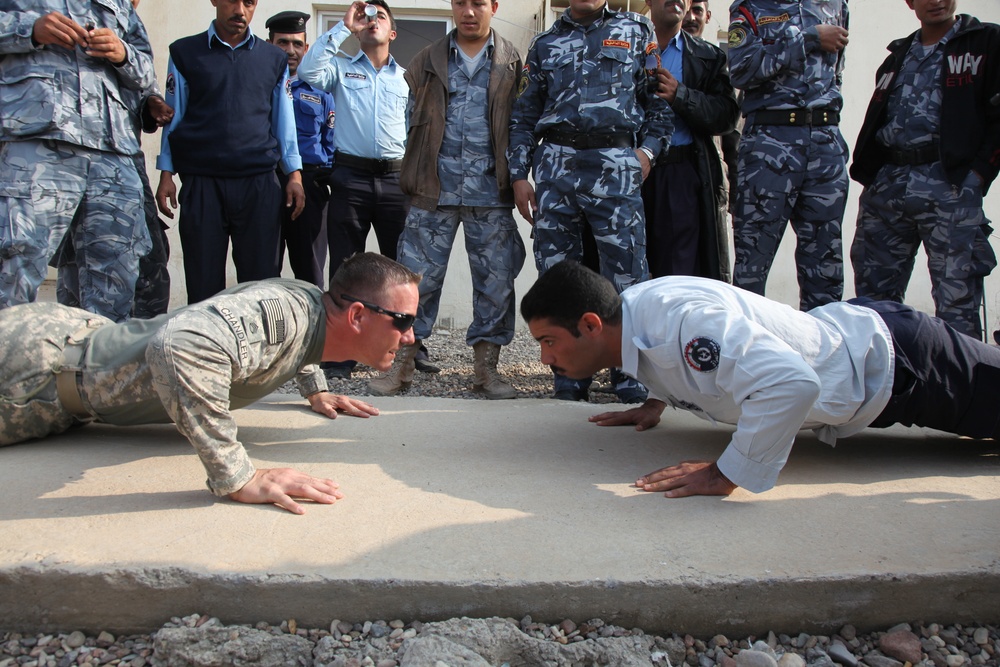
[413,32]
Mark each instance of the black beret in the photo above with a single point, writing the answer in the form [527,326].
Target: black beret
[289,22]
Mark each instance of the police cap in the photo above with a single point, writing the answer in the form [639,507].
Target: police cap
[289,22]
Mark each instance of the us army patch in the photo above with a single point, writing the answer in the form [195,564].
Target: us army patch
[702,354]
[617,43]
[308,97]
[274,321]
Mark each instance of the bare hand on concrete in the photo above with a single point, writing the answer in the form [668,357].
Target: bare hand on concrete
[688,478]
[644,417]
[280,485]
[331,405]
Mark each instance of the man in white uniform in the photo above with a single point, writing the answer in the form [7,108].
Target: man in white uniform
[734,357]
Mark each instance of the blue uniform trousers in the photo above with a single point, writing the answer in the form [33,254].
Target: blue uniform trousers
[45,186]
[673,219]
[906,207]
[943,379]
[305,236]
[215,210]
[798,175]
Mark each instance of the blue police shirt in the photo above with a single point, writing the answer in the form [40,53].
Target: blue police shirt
[672,59]
[372,102]
[282,120]
[314,120]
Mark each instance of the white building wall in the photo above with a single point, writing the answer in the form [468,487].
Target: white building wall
[874,23]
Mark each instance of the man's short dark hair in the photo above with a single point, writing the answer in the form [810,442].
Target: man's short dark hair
[369,276]
[384,5]
[568,290]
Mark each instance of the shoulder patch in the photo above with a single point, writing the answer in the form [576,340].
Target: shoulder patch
[330,119]
[737,35]
[274,321]
[523,83]
[702,354]
[171,84]
[288,88]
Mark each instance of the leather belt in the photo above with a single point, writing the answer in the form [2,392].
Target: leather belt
[912,156]
[802,117]
[677,154]
[376,166]
[68,375]
[581,141]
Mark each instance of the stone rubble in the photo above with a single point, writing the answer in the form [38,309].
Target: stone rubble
[201,641]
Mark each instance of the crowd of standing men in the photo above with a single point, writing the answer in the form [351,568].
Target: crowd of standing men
[614,117]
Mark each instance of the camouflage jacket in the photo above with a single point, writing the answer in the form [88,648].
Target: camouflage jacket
[50,92]
[588,79]
[194,365]
[775,56]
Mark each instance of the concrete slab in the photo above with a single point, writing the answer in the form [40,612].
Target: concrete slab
[497,508]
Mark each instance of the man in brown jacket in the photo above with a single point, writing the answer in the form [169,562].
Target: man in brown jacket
[462,89]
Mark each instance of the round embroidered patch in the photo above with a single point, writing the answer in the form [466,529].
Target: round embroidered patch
[737,35]
[702,354]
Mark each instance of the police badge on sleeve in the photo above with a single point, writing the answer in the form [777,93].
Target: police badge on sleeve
[702,354]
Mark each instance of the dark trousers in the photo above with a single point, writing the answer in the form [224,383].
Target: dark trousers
[305,236]
[944,379]
[673,219]
[360,201]
[215,210]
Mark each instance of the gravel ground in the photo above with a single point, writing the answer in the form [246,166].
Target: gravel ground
[518,363]
[202,641]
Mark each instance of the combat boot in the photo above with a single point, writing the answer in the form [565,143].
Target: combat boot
[400,376]
[487,379]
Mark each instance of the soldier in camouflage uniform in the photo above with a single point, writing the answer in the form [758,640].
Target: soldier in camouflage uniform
[65,367]
[462,88]
[586,93]
[927,153]
[67,146]
[788,57]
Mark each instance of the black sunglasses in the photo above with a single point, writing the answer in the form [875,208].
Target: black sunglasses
[401,321]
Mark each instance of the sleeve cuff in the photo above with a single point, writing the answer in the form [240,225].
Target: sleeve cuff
[311,380]
[232,484]
[746,473]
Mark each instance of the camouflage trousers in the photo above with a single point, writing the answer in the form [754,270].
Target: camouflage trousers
[596,187]
[32,338]
[43,186]
[601,188]
[496,255]
[908,206]
[152,287]
[797,175]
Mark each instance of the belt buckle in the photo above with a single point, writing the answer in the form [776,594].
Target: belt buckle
[381,166]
